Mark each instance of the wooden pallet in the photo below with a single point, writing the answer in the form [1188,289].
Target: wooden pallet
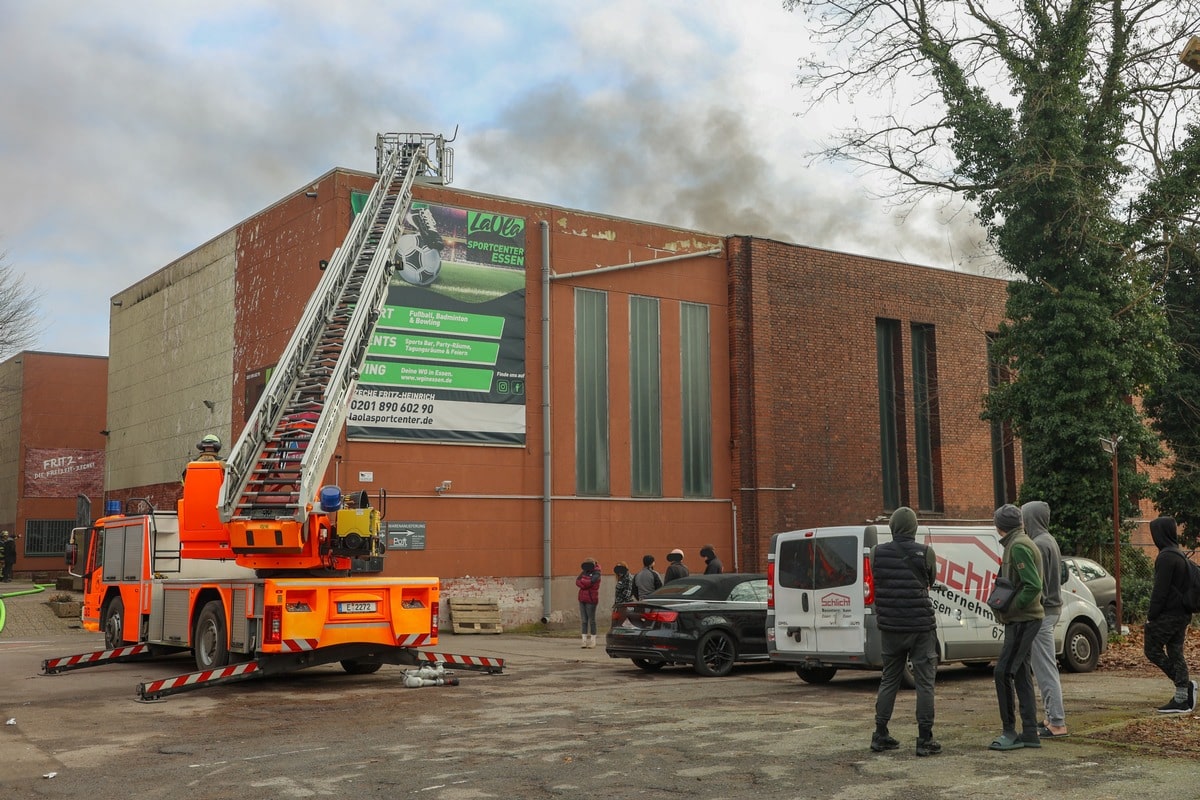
[475,616]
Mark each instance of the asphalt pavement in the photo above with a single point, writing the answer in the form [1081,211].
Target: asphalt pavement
[559,721]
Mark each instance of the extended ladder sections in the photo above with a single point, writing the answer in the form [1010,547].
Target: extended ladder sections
[273,469]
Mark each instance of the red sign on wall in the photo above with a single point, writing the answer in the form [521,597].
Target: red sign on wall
[63,472]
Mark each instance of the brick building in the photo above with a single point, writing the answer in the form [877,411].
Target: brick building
[861,385]
[679,388]
[52,412]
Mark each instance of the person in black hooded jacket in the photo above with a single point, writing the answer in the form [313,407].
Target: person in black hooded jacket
[904,569]
[1166,620]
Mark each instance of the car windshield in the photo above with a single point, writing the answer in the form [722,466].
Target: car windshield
[1090,570]
[750,592]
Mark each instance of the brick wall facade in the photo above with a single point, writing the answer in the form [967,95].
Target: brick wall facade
[805,402]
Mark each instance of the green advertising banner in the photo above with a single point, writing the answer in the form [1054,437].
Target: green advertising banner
[447,358]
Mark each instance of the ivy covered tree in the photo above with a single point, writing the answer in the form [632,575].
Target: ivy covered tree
[1054,121]
[1174,405]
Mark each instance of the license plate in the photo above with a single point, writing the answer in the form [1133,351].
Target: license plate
[357,608]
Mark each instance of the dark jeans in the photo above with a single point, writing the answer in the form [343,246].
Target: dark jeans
[8,570]
[1163,646]
[898,648]
[1014,677]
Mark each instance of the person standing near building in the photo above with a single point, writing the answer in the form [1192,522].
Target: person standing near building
[8,550]
[589,597]
[904,569]
[712,564]
[676,569]
[1036,518]
[1166,620]
[623,592]
[1021,564]
[648,580]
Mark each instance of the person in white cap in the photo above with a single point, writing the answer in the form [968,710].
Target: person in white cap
[676,568]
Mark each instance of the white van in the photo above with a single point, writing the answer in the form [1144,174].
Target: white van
[821,594]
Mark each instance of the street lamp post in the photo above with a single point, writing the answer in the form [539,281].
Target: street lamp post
[1111,446]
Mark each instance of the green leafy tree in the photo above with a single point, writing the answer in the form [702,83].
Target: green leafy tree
[1053,121]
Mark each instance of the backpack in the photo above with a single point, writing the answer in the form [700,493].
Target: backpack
[1191,595]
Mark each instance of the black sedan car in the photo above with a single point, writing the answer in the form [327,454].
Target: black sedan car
[708,621]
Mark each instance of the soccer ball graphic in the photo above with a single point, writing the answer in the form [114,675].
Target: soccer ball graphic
[418,265]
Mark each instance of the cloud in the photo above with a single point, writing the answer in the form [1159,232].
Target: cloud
[138,131]
[638,153]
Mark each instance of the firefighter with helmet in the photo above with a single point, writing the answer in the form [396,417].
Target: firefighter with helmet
[209,446]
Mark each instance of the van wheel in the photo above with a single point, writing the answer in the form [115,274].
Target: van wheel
[816,674]
[907,679]
[646,665]
[210,645]
[355,667]
[715,655]
[1081,649]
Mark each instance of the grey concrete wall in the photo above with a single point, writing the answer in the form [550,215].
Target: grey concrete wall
[171,349]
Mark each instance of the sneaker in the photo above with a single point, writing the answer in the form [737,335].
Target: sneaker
[928,747]
[881,742]
[1175,707]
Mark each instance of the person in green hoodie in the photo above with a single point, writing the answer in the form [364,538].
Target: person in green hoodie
[1021,564]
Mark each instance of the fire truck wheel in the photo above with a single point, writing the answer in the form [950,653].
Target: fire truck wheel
[355,667]
[209,643]
[114,622]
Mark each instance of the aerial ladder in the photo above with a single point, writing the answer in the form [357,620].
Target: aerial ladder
[272,471]
[262,570]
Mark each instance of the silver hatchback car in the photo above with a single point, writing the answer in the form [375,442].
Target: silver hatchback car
[1097,580]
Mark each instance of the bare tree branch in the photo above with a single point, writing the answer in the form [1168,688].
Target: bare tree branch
[20,323]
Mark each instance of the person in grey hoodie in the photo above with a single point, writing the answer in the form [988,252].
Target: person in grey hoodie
[1035,516]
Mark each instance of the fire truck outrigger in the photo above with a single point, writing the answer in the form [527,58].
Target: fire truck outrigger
[260,570]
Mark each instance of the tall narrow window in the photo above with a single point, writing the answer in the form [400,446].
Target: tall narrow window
[1004,473]
[887,367]
[926,419]
[591,392]
[645,398]
[696,400]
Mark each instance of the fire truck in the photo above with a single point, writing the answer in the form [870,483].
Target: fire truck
[261,570]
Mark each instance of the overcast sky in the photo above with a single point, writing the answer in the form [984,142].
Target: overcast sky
[135,131]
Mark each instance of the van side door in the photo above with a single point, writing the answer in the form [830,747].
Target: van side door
[968,560]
